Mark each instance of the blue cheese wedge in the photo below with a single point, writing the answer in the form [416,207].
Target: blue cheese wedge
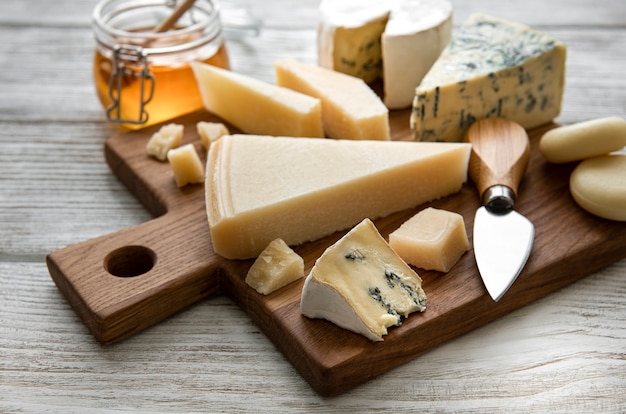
[492,67]
[362,285]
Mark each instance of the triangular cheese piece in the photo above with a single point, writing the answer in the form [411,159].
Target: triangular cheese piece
[350,108]
[257,107]
[261,188]
[362,285]
[491,68]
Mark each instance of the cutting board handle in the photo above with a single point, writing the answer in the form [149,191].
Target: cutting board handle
[500,153]
[124,282]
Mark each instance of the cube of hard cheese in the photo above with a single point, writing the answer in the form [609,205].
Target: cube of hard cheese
[433,239]
[186,165]
[277,266]
[210,132]
[166,138]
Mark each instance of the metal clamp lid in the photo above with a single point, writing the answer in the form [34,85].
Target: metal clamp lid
[136,56]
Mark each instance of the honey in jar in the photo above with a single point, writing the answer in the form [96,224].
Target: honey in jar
[143,77]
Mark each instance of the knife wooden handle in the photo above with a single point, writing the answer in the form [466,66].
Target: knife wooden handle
[500,153]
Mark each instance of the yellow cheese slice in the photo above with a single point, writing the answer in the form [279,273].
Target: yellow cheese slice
[350,109]
[262,188]
[257,107]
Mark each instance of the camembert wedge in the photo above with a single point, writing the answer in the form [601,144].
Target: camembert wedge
[350,109]
[262,188]
[362,285]
[397,41]
[491,68]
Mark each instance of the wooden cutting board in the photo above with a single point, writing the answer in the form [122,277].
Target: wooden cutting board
[122,283]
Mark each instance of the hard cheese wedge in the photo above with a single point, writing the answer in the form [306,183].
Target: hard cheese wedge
[262,188]
[362,285]
[492,67]
[257,107]
[350,109]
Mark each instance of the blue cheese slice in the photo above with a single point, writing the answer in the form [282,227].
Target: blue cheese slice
[362,285]
[492,67]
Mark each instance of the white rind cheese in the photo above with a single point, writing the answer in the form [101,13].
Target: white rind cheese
[262,188]
[583,140]
[491,68]
[362,285]
[396,40]
[348,37]
[416,34]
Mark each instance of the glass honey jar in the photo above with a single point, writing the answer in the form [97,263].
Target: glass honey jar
[142,76]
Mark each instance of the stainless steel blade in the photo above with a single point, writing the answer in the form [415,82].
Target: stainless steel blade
[502,244]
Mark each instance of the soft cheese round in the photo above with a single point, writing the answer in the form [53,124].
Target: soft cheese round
[415,35]
[395,40]
[584,139]
[599,186]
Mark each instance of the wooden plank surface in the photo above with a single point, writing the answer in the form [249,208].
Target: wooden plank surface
[563,353]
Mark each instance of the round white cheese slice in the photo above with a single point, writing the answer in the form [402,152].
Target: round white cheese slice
[584,139]
[599,186]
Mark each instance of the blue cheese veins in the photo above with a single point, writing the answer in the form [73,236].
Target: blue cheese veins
[491,68]
[362,285]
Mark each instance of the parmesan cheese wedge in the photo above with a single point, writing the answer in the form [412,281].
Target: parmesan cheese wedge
[262,188]
[350,109]
[277,266]
[257,107]
[186,165]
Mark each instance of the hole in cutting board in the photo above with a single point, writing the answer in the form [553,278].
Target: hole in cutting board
[129,261]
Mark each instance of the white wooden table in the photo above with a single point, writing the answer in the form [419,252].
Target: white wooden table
[563,353]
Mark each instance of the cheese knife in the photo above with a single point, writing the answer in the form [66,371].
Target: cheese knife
[502,237]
